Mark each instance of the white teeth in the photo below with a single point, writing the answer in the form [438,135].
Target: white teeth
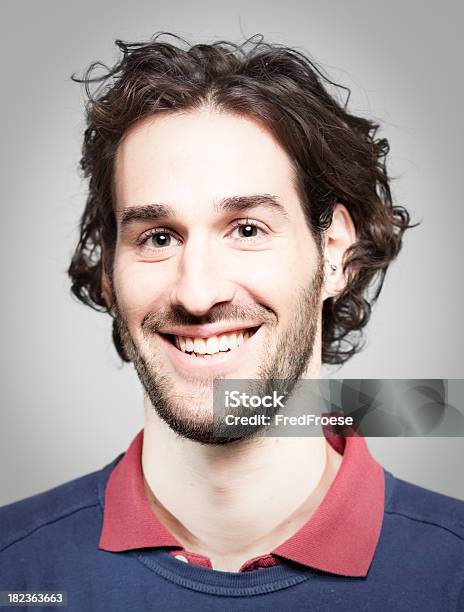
[199,346]
[232,341]
[223,343]
[212,345]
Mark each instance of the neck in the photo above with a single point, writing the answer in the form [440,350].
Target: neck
[237,501]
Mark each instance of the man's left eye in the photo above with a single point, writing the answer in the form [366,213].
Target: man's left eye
[246,231]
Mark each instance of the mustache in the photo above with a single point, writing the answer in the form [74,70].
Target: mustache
[177,315]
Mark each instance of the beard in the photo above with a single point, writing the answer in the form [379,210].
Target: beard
[284,358]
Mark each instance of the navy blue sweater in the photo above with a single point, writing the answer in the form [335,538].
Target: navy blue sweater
[50,542]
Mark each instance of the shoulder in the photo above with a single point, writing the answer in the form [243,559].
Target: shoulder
[421,545]
[36,514]
[416,504]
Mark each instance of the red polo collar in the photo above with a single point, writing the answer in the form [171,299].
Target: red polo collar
[340,537]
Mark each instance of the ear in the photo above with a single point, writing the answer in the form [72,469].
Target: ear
[340,235]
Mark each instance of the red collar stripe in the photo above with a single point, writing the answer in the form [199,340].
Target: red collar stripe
[340,537]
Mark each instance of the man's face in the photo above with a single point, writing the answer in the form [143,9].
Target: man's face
[216,274]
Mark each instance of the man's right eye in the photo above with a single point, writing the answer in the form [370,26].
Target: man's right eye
[158,238]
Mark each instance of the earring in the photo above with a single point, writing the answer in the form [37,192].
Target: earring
[332,266]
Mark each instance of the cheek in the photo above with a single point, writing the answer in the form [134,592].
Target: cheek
[273,277]
[138,289]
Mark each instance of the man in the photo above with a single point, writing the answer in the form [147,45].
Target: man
[238,217]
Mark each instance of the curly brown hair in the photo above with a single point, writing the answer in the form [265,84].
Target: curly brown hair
[336,155]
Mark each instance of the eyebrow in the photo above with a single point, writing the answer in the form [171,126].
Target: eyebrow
[243,203]
[231,204]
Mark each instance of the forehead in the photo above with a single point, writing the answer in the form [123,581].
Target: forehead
[194,159]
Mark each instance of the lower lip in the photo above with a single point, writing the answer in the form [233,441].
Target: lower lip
[215,365]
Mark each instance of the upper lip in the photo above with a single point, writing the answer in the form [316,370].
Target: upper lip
[206,331]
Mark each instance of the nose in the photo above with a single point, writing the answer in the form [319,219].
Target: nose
[201,281]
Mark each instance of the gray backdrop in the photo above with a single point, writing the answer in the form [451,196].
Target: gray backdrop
[68,406]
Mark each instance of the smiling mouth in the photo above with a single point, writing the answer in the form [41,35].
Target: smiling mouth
[213,345]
